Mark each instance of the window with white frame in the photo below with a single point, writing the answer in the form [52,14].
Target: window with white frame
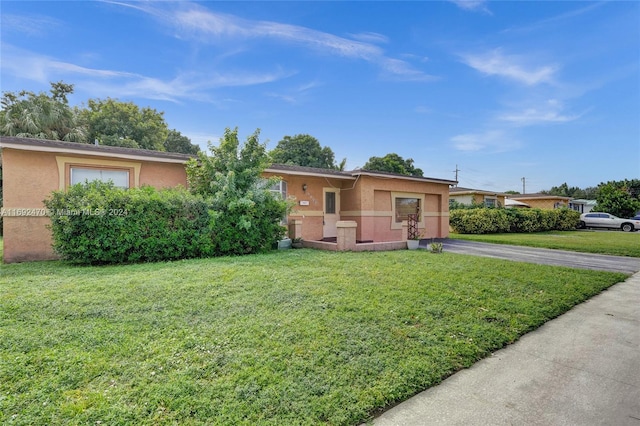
[120,178]
[280,189]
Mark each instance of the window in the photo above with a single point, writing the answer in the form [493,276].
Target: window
[120,178]
[280,189]
[489,202]
[330,202]
[405,207]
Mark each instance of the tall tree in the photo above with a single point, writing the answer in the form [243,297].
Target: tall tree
[176,142]
[393,163]
[116,123]
[619,198]
[304,150]
[43,116]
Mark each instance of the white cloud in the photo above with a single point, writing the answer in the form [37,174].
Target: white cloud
[472,5]
[30,26]
[492,140]
[101,82]
[192,21]
[549,112]
[513,67]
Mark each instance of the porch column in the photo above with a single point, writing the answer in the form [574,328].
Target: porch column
[346,234]
[295,228]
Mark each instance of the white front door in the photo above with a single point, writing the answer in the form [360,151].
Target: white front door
[331,212]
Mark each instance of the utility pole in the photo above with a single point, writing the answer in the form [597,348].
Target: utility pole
[456,172]
[523,185]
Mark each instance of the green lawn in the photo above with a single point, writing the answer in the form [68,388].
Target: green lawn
[613,243]
[289,337]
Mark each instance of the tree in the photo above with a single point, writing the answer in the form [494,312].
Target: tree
[619,198]
[115,123]
[304,150]
[392,163]
[245,215]
[176,142]
[565,190]
[30,115]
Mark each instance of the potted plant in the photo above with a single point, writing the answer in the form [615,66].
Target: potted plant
[414,241]
[297,243]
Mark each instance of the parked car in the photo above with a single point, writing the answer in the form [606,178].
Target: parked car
[636,217]
[608,221]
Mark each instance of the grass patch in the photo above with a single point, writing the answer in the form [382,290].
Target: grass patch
[613,243]
[290,337]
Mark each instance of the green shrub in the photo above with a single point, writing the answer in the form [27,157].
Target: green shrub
[98,223]
[489,221]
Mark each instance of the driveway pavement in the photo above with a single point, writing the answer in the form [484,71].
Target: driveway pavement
[544,256]
[582,368]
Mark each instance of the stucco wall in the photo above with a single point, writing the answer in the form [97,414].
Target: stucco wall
[29,177]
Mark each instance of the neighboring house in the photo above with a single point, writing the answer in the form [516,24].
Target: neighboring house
[374,203]
[470,196]
[542,201]
[33,168]
[582,206]
[377,202]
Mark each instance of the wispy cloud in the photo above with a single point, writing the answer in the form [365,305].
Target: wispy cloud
[472,5]
[550,112]
[492,141]
[194,22]
[29,25]
[295,95]
[512,67]
[114,83]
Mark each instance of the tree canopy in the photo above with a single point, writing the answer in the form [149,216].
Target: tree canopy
[44,116]
[565,190]
[115,123]
[393,163]
[111,122]
[304,150]
[619,198]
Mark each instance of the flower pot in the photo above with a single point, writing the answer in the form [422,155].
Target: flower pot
[413,244]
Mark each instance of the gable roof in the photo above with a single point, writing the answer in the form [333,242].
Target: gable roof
[45,145]
[349,175]
[538,196]
[458,190]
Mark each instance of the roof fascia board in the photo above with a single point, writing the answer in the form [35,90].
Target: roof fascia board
[417,179]
[301,173]
[157,159]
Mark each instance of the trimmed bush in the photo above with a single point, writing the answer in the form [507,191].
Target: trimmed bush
[490,221]
[98,223]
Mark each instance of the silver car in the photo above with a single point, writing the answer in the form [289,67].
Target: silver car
[608,221]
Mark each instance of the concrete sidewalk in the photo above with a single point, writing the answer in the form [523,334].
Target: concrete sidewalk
[582,368]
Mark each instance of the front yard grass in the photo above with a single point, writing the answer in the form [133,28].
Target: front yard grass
[289,337]
[615,243]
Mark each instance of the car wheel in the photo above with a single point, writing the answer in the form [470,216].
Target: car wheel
[627,227]
[582,225]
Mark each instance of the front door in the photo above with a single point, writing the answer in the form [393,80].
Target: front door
[331,212]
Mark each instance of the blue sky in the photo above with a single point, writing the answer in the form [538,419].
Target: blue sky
[545,90]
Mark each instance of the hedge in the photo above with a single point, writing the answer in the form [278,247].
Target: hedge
[493,221]
[97,223]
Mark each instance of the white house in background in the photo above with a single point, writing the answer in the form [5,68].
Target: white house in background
[582,206]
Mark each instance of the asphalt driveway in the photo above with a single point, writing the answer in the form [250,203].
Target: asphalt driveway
[544,256]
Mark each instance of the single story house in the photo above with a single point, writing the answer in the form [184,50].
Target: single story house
[33,168]
[542,201]
[470,196]
[375,203]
